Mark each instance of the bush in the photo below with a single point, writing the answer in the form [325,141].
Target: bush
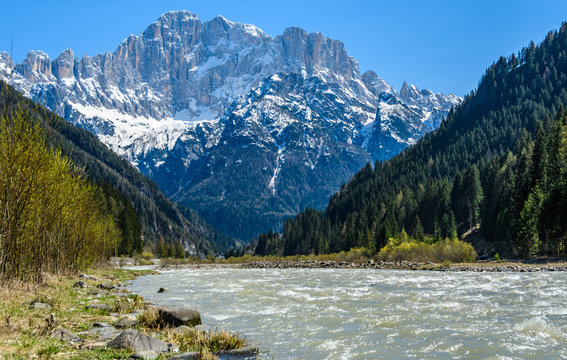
[452,250]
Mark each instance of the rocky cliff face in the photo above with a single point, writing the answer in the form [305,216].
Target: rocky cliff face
[246,128]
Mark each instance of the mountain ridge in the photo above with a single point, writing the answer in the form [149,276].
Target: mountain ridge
[163,100]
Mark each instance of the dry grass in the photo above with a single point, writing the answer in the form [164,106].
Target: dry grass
[211,341]
[26,334]
[149,318]
[203,341]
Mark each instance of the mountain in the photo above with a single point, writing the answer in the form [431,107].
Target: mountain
[158,215]
[241,126]
[482,172]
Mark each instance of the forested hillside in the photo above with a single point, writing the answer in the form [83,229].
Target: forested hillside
[117,180]
[480,168]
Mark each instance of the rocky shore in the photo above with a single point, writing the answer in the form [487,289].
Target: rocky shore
[94,316]
[491,266]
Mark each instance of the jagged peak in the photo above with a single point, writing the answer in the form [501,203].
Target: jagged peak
[294,31]
[38,54]
[183,15]
[408,90]
[249,29]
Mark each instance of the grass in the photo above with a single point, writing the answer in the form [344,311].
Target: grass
[28,332]
[27,335]
[211,341]
[203,341]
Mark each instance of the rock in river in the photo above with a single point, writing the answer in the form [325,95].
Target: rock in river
[178,316]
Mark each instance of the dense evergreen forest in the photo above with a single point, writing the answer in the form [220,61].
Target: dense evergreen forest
[496,166]
[141,211]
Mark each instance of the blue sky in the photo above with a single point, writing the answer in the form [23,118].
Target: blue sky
[437,44]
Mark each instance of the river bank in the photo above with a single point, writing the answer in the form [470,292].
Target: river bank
[94,316]
[486,266]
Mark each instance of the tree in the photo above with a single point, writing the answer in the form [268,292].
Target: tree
[472,195]
[528,236]
[161,247]
[51,220]
[179,250]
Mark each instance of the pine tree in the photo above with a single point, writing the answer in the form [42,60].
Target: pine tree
[472,195]
[528,236]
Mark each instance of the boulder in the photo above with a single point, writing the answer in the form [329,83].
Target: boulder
[106,286]
[127,322]
[81,284]
[244,353]
[178,316]
[136,341]
[98,306]
[145,355]
[66,335]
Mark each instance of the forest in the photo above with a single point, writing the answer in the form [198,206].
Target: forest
[156,215]
[495,167]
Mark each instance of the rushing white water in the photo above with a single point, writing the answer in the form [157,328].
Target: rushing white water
[377,314]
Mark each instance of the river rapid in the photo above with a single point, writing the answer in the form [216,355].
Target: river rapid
[376,314]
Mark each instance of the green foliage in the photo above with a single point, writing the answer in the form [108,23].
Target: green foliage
[480,167]
[126,217]
[52,220]
[451,250]
[156,213]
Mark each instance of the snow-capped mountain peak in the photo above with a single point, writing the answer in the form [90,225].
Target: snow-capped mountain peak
[229,120]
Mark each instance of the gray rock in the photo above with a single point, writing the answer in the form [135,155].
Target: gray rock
[127,321]
[66,335]
[105,333]
[86,277]
[145,355]
[136,341]
[98,306]
[93,292]
[102,325]
[39,305]
[178,316]
[81,284]
[245,353]
[106,286]
[186,356]
[182,329]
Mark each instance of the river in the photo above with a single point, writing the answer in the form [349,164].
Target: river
[376,314]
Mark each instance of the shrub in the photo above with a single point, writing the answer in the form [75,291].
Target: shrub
[452,250]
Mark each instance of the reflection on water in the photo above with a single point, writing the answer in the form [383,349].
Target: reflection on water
[377,314]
